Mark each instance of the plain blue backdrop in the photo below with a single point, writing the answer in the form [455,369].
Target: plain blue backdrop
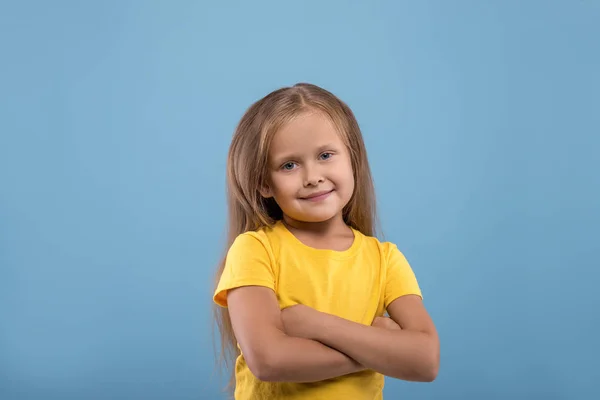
[482,122]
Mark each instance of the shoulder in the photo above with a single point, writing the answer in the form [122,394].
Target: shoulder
[386,249]
[249,262]
[262,240]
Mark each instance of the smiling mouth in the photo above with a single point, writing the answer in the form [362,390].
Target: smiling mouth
[318,196]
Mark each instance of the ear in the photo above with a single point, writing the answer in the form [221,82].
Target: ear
[266,192]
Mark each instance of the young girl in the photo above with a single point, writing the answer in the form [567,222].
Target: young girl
[305,284]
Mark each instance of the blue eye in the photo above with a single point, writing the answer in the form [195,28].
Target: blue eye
[288,166]
[326,156]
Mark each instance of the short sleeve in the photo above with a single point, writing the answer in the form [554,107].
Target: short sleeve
[247,264]
[400,278]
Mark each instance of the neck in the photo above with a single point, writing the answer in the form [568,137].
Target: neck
[332,225]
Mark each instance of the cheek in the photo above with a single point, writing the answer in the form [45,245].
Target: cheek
[345,173]
[282,185]
[350,182]
[348,178]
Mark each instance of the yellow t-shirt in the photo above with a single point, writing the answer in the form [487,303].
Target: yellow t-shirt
[356,284]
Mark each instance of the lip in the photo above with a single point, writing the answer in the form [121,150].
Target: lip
[318,196]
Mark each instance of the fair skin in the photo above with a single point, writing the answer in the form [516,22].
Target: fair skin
[308,157]
[311,180]
[410,353]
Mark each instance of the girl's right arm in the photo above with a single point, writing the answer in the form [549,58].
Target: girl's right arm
[272,355]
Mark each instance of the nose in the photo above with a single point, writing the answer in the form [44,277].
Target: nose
[313,176]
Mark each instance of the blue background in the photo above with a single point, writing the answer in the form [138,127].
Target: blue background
[482,122]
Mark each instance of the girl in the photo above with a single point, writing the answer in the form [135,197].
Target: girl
[305,284]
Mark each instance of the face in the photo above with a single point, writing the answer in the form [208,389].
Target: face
[310,169]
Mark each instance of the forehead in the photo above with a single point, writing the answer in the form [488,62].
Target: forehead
[303,134]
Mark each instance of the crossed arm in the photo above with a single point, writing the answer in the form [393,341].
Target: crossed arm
[300,344]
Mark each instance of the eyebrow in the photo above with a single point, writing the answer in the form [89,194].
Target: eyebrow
[291,156]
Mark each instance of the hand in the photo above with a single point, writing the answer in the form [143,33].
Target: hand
[300,321]
[385,323]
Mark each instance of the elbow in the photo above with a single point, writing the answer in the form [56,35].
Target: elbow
[425,370]
[266,373]
[263,367]
[422,366]
[430,373]
[431,367]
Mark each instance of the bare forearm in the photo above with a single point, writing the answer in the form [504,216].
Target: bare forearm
[292,359]
[402,354]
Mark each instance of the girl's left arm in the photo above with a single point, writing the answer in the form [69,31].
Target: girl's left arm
[411,353]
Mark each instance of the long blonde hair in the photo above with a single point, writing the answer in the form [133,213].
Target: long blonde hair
[247,173]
